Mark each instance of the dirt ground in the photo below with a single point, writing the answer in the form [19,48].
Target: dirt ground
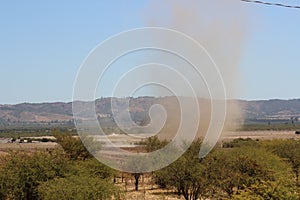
[148,193]
[227,136]
[147,190]
[6,147]
[261,135]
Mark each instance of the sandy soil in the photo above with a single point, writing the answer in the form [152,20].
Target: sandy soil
[147,190]
[151,194]
[5,147]
[262,135]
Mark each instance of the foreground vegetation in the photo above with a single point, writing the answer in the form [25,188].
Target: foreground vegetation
[248,169]
[242,169]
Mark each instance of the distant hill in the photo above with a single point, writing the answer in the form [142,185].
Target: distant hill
[271,109]
[61,112]
[36,112]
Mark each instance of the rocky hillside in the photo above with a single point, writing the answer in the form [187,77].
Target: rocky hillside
[57,112]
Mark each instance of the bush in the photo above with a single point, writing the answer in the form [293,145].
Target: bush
[21,174]
[78,187]
[74,147]
[224,173]
[87,179]
[288,150]
[240,142]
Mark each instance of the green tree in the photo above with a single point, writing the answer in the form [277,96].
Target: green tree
[185,174]
[224,173]
[78,188]
[21,173]
[242,169]
[88,179]
[153,144]
[137,165]
[74,147]
[268,190]
[231,171]
[289,150]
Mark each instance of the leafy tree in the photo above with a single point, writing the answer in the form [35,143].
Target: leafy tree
[74,147]
[78,187]
[185,174]
[88,179]
[224,173]
[153,144]
[290,151]
[231,171]
[21,173]
[268,190]
[137,165]
[239,169]
[93,168]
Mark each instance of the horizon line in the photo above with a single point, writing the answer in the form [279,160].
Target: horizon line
[107,97]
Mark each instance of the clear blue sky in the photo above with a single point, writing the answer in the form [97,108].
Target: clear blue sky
[43,43]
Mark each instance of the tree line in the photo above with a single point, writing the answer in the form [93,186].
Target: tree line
[242,169]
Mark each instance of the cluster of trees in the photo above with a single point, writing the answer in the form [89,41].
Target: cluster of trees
[247,169]
[71,173]
[242,169]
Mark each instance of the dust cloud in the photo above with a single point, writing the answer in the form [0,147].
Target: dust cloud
[221,28]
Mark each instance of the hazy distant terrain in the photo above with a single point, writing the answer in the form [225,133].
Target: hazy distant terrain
[280,109]
[62,112]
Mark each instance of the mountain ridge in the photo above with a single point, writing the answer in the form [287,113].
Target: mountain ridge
[62,111]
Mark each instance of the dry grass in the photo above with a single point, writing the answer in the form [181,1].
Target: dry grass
[261,135]
[147,190]
[151,194]
[6,147]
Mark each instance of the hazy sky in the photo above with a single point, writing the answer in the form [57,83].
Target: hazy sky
[43,43]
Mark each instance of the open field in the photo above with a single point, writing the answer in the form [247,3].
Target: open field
[28,147]
[261,135]
[126,141]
